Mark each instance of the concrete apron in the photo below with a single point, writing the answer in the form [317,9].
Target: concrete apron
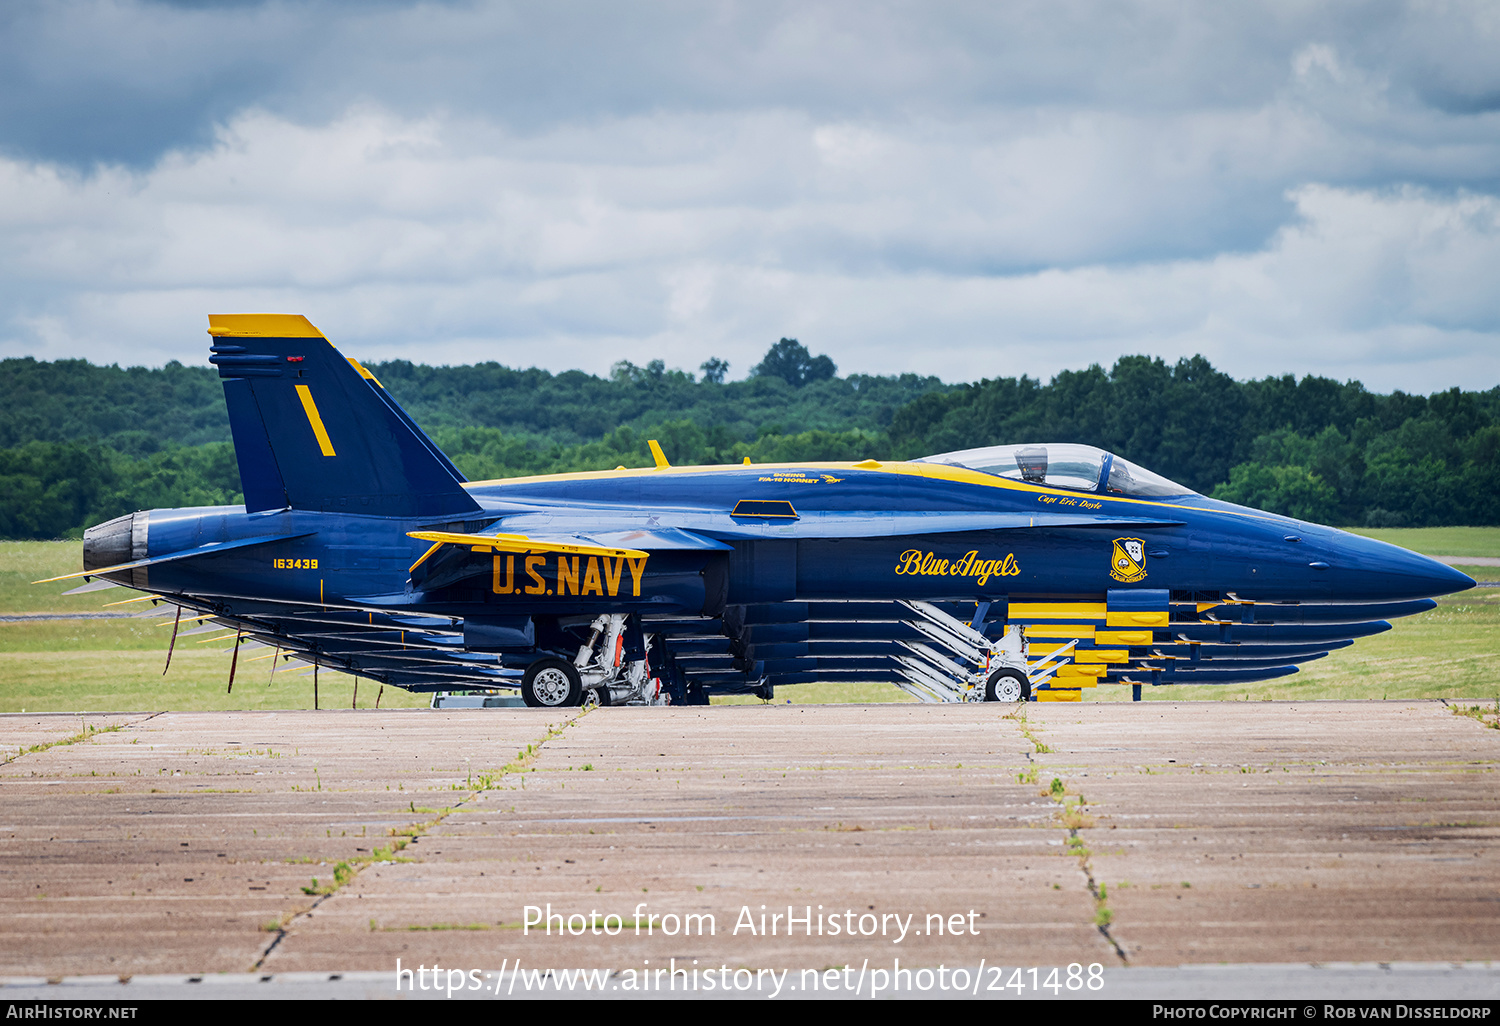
[338,842]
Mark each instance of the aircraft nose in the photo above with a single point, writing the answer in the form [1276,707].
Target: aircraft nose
[1378,570]
[1456,580]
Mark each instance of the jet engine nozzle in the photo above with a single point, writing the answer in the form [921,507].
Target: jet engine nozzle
[121,540]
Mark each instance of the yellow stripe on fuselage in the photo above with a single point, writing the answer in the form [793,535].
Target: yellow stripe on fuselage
[315,420]
[935,471]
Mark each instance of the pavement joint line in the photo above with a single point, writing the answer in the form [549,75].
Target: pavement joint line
[1073,818]
[86,734]
[488,782]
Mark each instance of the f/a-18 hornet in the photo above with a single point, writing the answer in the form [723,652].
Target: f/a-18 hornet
[1004,573]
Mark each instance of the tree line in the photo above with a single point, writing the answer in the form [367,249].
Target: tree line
[81,443]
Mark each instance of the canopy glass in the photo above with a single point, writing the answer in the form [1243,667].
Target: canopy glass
[1081,468]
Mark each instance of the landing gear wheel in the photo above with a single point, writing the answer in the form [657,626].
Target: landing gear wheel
[551,684]
[1007,686]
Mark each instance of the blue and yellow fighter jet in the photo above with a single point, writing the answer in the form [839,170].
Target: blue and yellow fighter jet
[1004,573]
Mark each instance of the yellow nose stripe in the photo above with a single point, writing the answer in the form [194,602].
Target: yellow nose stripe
[311,409]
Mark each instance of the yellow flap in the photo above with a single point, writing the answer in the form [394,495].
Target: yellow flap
[521,543]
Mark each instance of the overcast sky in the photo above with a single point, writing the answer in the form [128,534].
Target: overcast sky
[962,189]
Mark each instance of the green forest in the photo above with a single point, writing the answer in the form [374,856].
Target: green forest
[81,443]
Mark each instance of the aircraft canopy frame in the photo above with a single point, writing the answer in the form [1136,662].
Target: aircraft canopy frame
[1078,468]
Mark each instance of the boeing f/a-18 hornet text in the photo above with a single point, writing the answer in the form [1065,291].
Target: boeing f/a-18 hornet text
[1006,573]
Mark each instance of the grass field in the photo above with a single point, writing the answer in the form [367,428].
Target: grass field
[115,664]
[1451,652]
[1439,541]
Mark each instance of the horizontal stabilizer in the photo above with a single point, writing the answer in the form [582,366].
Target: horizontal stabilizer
[84,589]
[211,549]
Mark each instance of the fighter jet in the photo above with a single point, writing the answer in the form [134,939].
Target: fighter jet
[1005,573]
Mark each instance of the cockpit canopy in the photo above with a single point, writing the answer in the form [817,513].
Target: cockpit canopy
[1081,468]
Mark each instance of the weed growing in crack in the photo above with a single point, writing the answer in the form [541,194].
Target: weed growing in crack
[1019,716]
[83,735]
[1071,816]
[1486,717]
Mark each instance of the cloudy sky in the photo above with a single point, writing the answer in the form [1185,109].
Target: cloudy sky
[961,189]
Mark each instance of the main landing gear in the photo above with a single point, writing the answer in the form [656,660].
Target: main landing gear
[551,683]
[611,668]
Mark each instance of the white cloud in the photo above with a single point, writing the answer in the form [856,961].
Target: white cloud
[968,239]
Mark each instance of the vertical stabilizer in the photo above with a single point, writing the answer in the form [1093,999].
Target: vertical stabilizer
[314,430]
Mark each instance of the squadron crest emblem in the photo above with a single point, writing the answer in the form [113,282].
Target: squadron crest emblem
[1128,561]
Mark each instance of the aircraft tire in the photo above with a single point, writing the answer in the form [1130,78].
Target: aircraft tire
[551,683]
[1007,686]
